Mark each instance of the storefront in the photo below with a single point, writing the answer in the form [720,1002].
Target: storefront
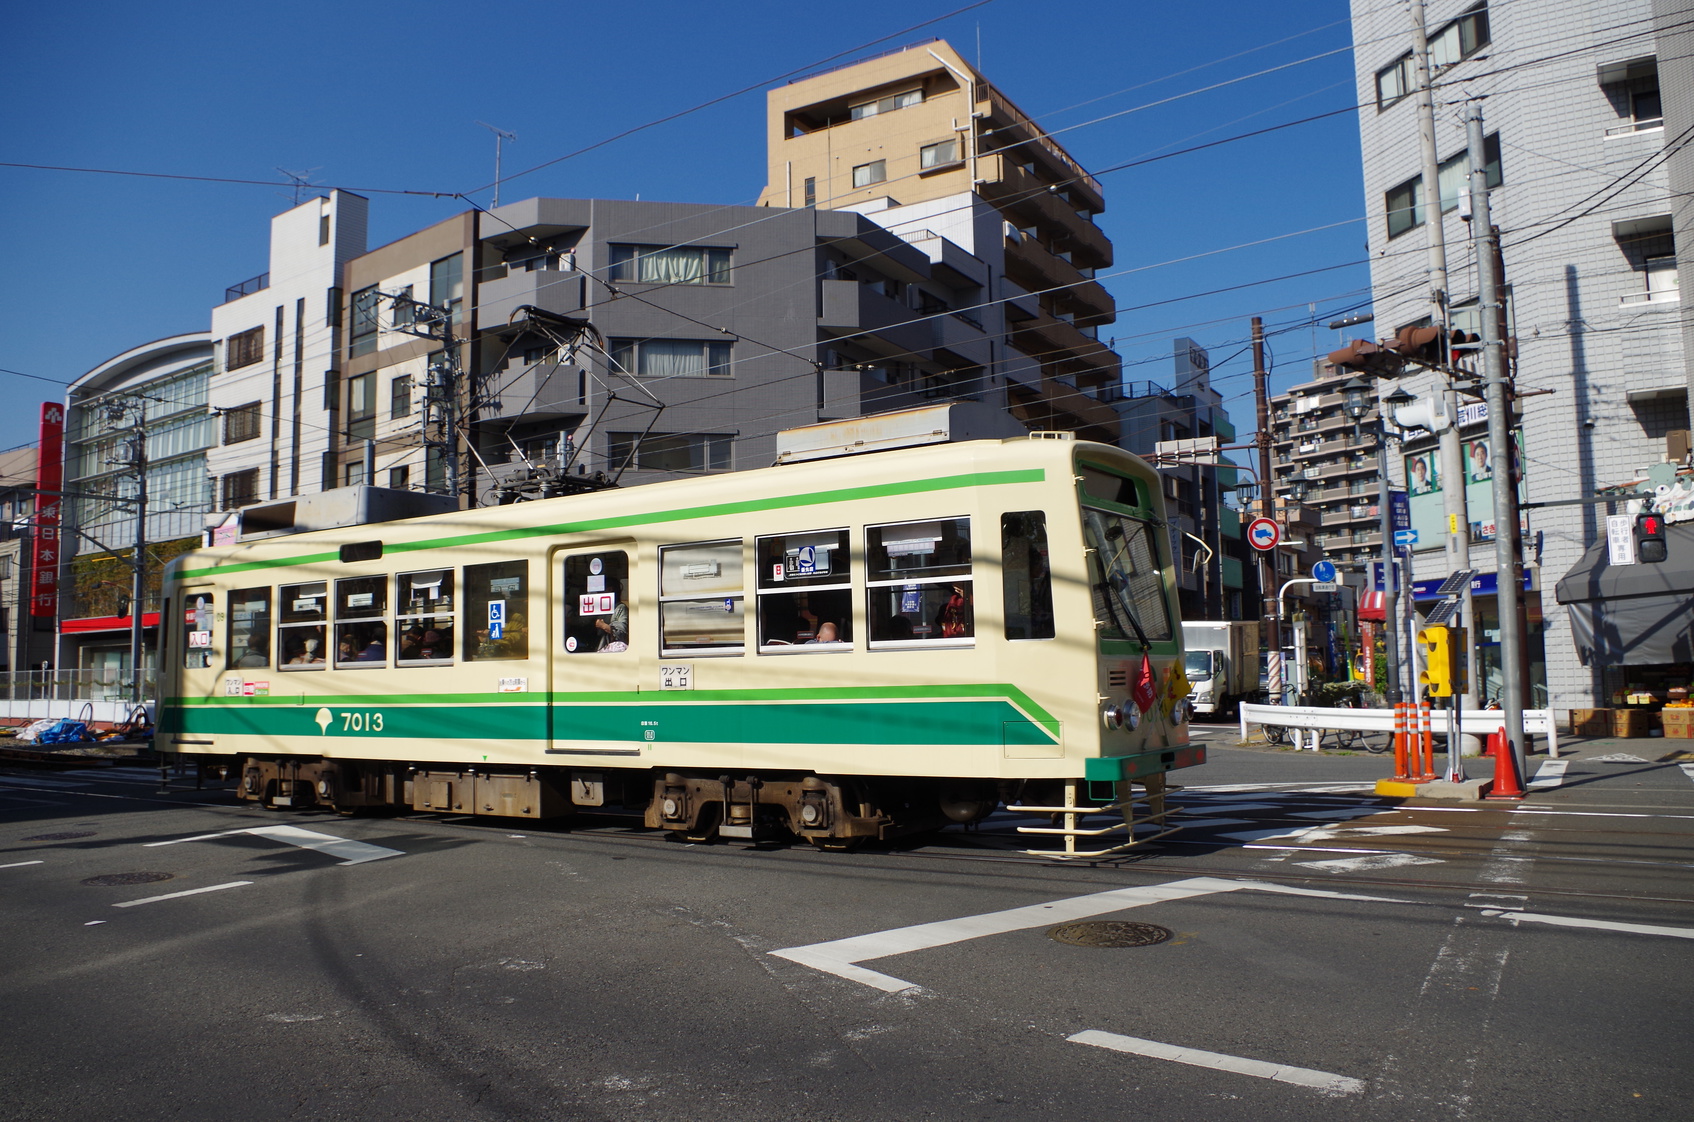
[1636,622]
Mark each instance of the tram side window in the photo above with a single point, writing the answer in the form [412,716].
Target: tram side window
[597,602]
[918,580]
[423,623]
[1106,485]
[361,629]
[198,611]
[496,611]
[302,614]
[1027,578]
[249,628]
[1125,579]
[805,592]
[701,599]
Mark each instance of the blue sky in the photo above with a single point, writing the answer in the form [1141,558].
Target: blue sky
[387,96]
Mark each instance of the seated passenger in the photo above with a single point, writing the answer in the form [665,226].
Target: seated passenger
[826,634]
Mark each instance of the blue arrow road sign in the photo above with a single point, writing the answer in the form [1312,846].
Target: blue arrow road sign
[1405,538]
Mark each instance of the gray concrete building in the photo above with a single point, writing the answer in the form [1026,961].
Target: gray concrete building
[1585,144]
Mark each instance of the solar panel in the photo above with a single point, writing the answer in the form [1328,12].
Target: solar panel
[1441,613]
[1456,583]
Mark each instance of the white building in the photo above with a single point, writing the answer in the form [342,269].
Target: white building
[1576,151]
[277,345]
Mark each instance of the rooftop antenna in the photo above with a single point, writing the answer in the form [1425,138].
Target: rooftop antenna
[499,136]
[300,179]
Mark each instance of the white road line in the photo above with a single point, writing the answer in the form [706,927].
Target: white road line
[1374,861]
[19,864]
[176,895]
[1516,918]
[1551,773]
[1325,1081]
[354,852]
[842,956]
[1687,769]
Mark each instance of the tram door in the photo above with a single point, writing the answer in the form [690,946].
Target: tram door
[593,662]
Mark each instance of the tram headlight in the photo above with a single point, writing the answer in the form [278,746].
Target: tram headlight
[672,808]
[1121,714]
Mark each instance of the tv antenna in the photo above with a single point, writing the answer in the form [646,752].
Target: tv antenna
[500,135]
[300,179]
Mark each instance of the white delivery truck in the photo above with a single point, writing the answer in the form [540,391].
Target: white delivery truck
[1222,664]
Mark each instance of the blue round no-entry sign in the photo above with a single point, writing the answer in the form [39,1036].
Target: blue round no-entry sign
[1263,534]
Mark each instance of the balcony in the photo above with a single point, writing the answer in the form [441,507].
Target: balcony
[1010,125]
[247,287]
[1038,269]
[541,392]
[1019,193]
[849,307]
[556,292]
[961,334]
[1058,341]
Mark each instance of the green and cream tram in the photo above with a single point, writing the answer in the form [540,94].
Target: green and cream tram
[843,649]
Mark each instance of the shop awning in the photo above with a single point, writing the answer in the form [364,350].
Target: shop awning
[1638,615]
[1372,605]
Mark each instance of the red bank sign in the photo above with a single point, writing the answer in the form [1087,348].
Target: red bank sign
[49,473]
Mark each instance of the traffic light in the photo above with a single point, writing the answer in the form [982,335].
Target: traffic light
[1364,355]
[1420,344]
[1650,537]
[1444,658]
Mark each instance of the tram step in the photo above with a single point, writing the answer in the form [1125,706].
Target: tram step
[736,832]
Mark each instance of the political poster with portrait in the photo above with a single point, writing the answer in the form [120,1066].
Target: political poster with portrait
[1424,486]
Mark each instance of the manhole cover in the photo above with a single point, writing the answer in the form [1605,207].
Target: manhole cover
[113,880]
[1109,933]
[66,836]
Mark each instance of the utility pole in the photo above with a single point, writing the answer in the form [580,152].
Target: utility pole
[1270,608]
[138,567]
[1508,567]
[499,135]
[441,382]
[1454,506]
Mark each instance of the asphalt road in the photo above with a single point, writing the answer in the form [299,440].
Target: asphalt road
[1331,955]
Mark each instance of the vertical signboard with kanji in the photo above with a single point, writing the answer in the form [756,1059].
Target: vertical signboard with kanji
[49,472]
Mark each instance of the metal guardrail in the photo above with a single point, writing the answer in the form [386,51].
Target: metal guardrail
[75,685]
[1474,722]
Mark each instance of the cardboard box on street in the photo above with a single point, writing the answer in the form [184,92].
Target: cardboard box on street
[1591,722]
[1634,723]
[1678,723]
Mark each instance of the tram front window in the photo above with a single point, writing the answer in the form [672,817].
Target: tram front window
[1125,580]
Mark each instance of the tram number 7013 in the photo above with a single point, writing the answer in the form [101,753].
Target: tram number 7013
[352,720]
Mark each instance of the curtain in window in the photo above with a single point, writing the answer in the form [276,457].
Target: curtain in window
[662,358]
[672,266]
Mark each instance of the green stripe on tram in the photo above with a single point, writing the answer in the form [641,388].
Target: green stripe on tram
[706,718]
[746,506]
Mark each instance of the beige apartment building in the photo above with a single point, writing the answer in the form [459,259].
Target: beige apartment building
[921,143]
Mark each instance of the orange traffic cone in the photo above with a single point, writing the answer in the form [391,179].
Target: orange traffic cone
[1507,784]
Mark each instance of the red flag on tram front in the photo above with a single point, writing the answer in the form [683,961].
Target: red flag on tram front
[1146,687]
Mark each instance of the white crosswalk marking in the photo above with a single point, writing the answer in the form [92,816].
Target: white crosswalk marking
[1687,769]
[1550,774]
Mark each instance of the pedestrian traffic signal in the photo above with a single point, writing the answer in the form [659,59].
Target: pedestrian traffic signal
[1444,661]
[1650,537]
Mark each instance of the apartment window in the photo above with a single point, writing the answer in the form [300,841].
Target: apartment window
[353,474]
[323,229]
[670,452]
[1647,109]
[364,321]
[447,286]
[400,397]
[1405,206]
[241,488]
[671,358]
[332,307]
[1453,44]
[1453,176]
[399,477]
[361,407]
[405,312]
[938,155]
[874,172]
[241,423]
[811,192]
[886,104]
[244,349]
[655,264]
